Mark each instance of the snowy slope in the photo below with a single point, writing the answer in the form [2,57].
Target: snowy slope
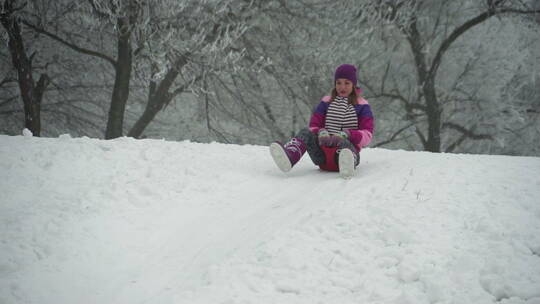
[149,221]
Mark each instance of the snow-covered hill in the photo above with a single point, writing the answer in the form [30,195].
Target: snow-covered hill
[149,221]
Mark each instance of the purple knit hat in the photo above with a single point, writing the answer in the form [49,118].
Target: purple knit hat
[347,71]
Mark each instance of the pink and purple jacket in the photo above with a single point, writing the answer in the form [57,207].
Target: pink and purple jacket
[360,137]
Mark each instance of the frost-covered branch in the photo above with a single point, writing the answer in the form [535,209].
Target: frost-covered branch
[394,136]
[494,8]
[465,134]
[70,45]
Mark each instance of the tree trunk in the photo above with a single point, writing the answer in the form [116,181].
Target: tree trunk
[30,96]
[120,93]
[433,112]
[426,80]
[140,125]
[426,75]
[156,102]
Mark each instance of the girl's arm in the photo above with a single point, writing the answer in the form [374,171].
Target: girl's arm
[362,136]
[318,117]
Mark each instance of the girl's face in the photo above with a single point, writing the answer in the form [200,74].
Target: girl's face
[344,87]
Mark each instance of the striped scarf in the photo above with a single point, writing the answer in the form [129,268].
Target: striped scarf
[340,116]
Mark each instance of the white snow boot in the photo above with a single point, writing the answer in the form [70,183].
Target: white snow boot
[280,157]
[346,163]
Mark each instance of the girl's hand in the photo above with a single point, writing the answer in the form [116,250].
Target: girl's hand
[324,137]
[333,141]
[323,133]
[327,140]
[344,134]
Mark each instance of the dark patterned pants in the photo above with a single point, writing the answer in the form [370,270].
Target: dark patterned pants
[316,153]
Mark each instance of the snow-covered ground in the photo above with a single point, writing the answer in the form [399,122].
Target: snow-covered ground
[149,221]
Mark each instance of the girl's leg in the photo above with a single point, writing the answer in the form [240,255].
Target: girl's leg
[314,150]
[346,144]
[287,155]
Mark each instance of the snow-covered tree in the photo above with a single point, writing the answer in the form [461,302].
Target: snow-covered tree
[186,42]
[271,91]
[170,45]
[466,67]
[441,75]
[434,63]
[31,91]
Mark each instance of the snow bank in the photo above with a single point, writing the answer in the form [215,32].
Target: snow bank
[149,221]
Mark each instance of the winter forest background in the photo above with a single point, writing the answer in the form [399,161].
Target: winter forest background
[444,76]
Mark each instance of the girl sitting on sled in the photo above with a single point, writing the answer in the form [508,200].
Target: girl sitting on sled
[340,127]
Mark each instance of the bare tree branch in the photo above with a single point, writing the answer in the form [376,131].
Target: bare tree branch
[469,133]
[492,11]
[393,137]
[465,134]
[421,136]
[71,45]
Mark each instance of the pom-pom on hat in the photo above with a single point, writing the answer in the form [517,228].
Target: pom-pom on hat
[346,71]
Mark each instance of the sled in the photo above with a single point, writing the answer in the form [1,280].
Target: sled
[331,161]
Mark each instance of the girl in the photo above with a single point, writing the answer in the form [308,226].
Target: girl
[342,124]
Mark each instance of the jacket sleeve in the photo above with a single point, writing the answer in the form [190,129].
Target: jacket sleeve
[362,136]
[318,117]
